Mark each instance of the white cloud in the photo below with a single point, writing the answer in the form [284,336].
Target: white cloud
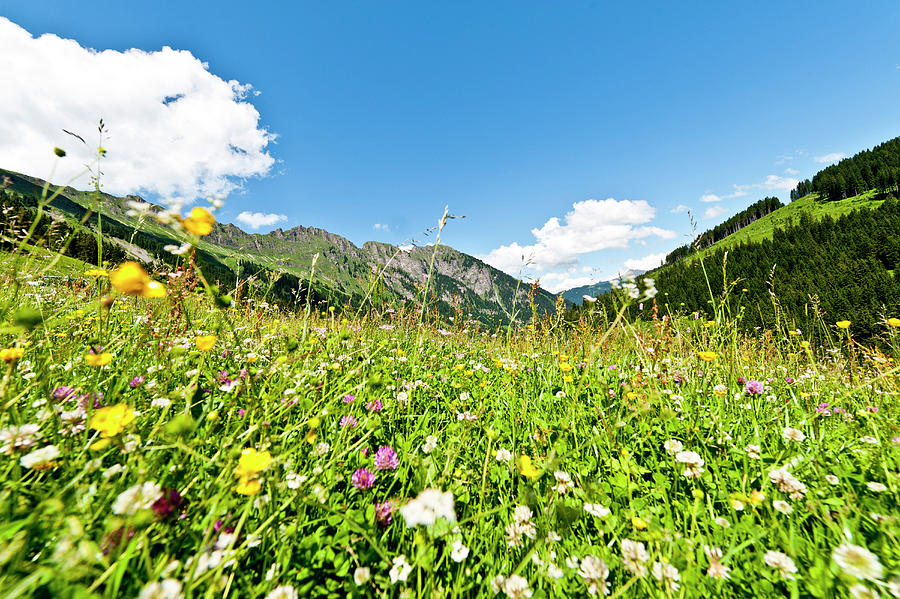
[710,197]
[590,226]
[791,171]
[255,220]
[829,158]
[714,211]
[176,130]
[554,282]
[775,183]
[679,209]
[648,262]
[381,227]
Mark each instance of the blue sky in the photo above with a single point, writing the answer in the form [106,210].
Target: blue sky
[374,115]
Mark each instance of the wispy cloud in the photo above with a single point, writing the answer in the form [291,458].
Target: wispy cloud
[381,227]
[710,197]
[176,130]
[680,208]
[775,183]
[829,158]
[714,211]
[255,220]
[791,171]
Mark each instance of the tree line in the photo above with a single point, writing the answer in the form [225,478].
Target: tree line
[878,168]
[734,224]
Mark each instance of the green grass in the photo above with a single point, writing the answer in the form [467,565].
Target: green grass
[790,215]
[596,410]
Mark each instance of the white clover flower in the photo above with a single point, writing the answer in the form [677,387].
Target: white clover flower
[596,509]
[517,587]
[400,569]
[136,498]
[832,479]
[673,446]
[563,482]
[860,591]
[667,574]
[430,444]
[168,588]
[781,562]
[595,572]
[634,555]
[753,451]
[857,561]
[793,434]
[876,487]
[782,506]
[430,505]
[285,591]
[722,522]
[458,551]
[361,576]
[503,455]
[40,459]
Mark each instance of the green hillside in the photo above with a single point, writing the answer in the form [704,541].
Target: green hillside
[279,261]
[811,206]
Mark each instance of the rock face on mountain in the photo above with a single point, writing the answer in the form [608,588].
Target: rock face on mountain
[346,272]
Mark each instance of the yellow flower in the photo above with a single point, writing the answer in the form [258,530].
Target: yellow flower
[707,356]
[111,420]
[638,522]
[252,462]
[98,445]
[526,468]
[843,324]
[565,366]
[200,222]
[756,497]
[154,290]
[11,354]
[248,486]
[205,342]
[101,359]
[894,322]
[95,272]
[131,279]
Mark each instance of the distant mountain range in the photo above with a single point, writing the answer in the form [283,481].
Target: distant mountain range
[343,273]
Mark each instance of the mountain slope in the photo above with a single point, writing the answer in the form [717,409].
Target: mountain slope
[576,294]
[343,273]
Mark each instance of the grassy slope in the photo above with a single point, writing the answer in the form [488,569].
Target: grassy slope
[789,215]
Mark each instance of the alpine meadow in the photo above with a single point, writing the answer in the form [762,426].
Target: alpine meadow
[197,409]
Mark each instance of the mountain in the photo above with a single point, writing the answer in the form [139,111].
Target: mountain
[282,260]
[823,258]
[576,294]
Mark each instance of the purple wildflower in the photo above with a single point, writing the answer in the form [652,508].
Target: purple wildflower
[363,479]
[90,400]
[137,381]
[348,421]
[62,394]
[348,398]
[384,513]
[375,406]
[753,387]
[386,458]
[241,412]
[167,504]
[822,409]
[741,380]
[788,380]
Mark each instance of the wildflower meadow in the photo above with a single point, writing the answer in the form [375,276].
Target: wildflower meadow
[161,438]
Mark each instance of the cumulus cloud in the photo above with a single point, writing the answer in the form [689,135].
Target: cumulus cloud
[679,209]
[648,262]
[381,227]
[791,171]
[176,131]
[710,197]
[590,226]
[829,158]
[255,220]
[714,211]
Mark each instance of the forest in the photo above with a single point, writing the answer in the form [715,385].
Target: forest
[878,168]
